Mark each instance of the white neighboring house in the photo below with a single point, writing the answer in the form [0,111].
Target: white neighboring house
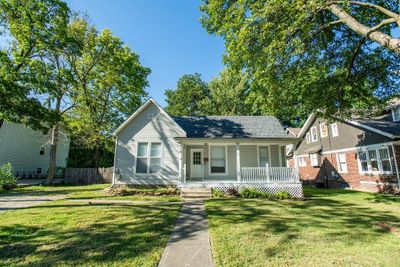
[154,148]
[29,151]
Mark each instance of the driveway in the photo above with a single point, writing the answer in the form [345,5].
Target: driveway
[15,201]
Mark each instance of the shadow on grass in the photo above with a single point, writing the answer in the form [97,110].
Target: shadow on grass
[329,215]
[125,233]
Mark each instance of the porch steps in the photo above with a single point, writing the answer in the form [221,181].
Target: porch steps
[195,193]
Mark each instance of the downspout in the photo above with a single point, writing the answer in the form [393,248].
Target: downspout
[115,161]
[395,165]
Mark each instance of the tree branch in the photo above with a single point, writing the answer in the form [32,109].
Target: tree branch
[383,39]
[380,8]
[383,23]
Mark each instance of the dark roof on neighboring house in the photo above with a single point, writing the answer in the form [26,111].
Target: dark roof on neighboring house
[383,123]
[231,126]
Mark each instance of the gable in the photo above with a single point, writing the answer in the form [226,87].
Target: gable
[150,121]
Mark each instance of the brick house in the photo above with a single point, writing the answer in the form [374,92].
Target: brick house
[359,154]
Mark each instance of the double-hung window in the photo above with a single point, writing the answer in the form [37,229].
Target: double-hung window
[396,114]
[148,157]
[308,138]
[334,128]
[375,160]
[323,130]
[314,134]
[342,164]
[263,154]
[217,159]
[302,161]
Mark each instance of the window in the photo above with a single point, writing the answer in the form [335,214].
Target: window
[385,160]
[308,138]
[362,156]
[148,161]
[263,155]
[323,130]
[396,114]
[314,134]
[314,159]
[376,160]
[218,159]
[342,164]
[302,161]
[334,129]
[41,152]
[150,116]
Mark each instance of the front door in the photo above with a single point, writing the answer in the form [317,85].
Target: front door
[196,163]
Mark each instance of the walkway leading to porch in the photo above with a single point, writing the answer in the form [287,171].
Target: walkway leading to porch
[189,243]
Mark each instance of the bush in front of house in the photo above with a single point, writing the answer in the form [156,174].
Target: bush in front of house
[216,193]
[143,191]
[283,195]
[253,193]
[7,179]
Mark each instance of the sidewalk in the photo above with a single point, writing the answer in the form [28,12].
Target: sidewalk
[189,243]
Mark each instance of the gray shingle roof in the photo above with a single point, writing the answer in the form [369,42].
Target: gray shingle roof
[384,123]
[231,126]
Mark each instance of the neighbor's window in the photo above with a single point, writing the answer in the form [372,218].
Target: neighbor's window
[334,129]
[314,134]
[342,164]
[41,152]
[363,161]
[308,138]
[148,160]
[218,159]
[314,158]
[263,153]
[302,161]
[396,114]
[323,129]
[375,160]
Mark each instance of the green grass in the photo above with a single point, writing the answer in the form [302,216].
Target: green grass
[330,228]
[84,192]
[65,233]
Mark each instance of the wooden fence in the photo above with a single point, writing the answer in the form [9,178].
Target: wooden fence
[79,176]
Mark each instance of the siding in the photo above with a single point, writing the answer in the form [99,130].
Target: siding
[21,145]
[144,129]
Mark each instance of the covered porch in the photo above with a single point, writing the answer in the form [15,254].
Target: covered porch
[236,162]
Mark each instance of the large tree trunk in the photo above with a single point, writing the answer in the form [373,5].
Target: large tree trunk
[374,35]
[53,154]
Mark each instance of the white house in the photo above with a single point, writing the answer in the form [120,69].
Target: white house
[154,148]
[29,150]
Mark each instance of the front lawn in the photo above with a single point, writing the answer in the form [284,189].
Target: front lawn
[69,233]
[86,192]
[332,227]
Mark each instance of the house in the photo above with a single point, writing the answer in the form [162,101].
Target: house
[222,152]
[361,154]
[29,151]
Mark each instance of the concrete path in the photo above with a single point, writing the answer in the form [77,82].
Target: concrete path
[15,202]
[189,243]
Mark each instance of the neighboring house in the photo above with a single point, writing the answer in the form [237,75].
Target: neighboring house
[29,151]
[214,151]
[360,154]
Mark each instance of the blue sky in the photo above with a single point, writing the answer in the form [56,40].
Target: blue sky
[167,35]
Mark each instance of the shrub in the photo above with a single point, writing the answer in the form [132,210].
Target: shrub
[217,193]
[7,179]
[253,193]
[283,195]
[232,192]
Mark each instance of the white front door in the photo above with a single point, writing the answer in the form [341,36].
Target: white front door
[196,163]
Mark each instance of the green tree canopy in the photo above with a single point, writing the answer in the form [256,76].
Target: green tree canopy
[329,57]
[190,97]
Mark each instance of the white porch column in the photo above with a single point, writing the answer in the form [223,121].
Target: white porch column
[395,165]
[180,168]
[238,167]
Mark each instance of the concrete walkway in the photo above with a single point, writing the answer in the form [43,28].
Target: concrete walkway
[15,202]
[189,243]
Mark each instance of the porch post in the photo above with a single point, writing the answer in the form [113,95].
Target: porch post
[180,162]
[238,167]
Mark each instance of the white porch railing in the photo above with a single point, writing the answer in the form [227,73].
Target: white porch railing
[269,174]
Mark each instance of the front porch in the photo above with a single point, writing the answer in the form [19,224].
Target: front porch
[234,162]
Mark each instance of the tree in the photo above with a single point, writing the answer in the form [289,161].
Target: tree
[190,97]
[109,82]
[229,94]
[30,27]
[328,57]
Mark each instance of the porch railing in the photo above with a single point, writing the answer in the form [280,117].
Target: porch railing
[269,174]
